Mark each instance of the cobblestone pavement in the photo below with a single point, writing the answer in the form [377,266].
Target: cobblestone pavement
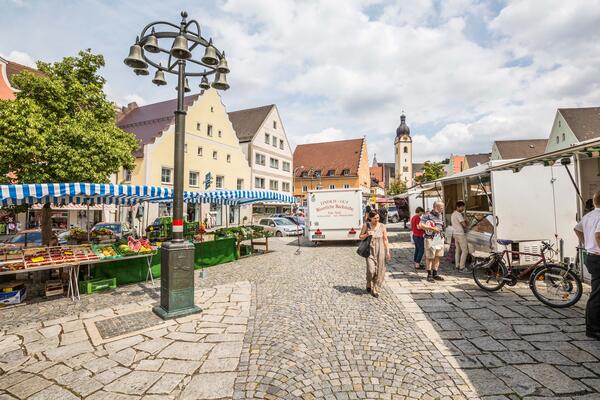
[194,357]
[507,343]
[312,332]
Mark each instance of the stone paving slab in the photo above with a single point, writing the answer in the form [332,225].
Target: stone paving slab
[155,361]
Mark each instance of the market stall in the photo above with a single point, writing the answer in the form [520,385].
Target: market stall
[122,261]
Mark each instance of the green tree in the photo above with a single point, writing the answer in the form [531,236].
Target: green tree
[61,128]
[431,172]
[396,187]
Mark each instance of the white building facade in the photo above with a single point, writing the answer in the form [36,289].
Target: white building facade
[263,140]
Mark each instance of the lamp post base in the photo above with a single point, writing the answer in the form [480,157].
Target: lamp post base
[177,281]
[164,314]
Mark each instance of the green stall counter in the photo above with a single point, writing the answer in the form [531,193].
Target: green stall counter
[206,254]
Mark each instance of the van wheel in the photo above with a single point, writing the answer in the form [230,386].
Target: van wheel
[279,234]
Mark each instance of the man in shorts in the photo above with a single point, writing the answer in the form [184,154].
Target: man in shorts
[433,225]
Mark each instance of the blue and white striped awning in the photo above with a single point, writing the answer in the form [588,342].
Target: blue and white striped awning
[96,193]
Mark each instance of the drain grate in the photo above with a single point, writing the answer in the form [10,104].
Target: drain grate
[124,324]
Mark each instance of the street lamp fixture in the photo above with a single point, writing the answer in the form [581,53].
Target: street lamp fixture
[177,256]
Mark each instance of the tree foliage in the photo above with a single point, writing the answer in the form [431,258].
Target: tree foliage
[396,187]
[431,172]
[61,127]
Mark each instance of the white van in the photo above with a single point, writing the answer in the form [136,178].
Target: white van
[334,214]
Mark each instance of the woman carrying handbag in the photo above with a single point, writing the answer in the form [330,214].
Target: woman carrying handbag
[379,252]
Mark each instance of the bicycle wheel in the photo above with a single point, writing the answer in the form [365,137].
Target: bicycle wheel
[556,286]
[489,274]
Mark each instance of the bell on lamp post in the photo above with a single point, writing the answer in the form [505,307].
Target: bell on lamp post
[151,44]
[220,82]
[159,78]
[204,85]
[186,87]
[180,48]
[135,58]
[223,67]
[210,55]
[141,71]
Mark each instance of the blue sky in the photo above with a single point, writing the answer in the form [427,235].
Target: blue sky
[466,72]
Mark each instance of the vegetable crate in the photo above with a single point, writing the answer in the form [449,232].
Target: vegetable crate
[96,285]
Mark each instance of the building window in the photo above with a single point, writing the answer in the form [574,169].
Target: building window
[274,124]
[285,166]
[304,203]
[234,215]
[559,123]
[273,185]
[212,109]
[267,138]
[185,148]
[240,184]
[209,130]
[220,134]
[405,150]
[304,188]
[228,158]
[563,136]
[127,175]
[260,159]
[331,186]
[396,151]
[318,173]
[557,140]
[331,172]
[166,175]
[274,141]
[219,182]
[274,163]
[197,126]
[200,151]
[304,174]
[404,169]
[259,183]
[285,186]
[194,178]
[346,172]
[214,155]
[346,186]
[319,187]
[281,144]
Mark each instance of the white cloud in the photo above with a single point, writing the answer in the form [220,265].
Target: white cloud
[130,98]
[19,57]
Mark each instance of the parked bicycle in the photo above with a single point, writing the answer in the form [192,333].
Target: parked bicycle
[554,284]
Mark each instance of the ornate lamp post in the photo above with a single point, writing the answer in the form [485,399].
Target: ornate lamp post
[177,260]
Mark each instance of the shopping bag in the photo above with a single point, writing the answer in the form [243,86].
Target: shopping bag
[364,248]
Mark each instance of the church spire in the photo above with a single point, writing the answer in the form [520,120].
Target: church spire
[374,160]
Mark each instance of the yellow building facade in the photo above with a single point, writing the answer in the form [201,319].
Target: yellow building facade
[211,146]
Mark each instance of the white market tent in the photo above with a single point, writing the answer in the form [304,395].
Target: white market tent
[97,193]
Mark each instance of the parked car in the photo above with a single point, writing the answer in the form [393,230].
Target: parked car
[393,216]
[296,220]
[281,227]
[33,238]
[119,229]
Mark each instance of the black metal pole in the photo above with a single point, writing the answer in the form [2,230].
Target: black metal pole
[180,114]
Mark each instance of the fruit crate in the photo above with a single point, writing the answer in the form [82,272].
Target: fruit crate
[104,250]
[96,285]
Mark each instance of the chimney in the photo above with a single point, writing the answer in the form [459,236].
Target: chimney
[126,110]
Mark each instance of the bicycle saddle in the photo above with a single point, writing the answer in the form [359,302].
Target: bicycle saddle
[504,242]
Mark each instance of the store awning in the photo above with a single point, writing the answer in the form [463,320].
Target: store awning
[590,148]
[95,193]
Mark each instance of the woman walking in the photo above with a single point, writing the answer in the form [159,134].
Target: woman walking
[418,239]
[380,252]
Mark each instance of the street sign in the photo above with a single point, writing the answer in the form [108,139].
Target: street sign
[207,180]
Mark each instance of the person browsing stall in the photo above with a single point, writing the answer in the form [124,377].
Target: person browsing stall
[459,230]
[417,235]
[433,225]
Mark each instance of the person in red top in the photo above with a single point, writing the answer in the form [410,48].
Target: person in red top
[417,235]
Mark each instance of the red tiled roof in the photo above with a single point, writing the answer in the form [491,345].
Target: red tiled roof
[13,68]
[337,156]
[584,122]
[474,160]
[377,173]
[246,122]
[150,121]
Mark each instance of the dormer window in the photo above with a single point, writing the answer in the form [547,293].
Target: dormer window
[274,124]
[304,174]
[331,172]
[346,172]
[318,173]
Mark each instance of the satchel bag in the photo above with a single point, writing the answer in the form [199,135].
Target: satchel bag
[364,248]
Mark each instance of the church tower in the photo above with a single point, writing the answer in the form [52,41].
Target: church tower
[403,153]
